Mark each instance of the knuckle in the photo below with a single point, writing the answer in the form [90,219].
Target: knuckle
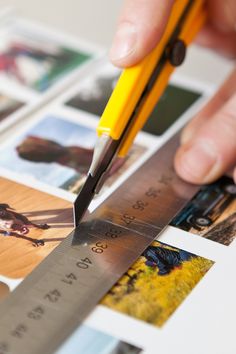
[227,121]
[229,118]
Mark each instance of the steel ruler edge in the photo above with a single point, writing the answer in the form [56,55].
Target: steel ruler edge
[61,292]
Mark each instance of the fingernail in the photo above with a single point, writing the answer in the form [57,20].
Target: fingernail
[124,42]
[198,162]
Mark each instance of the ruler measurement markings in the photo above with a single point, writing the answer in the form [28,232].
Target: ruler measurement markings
[54,295]
[117,235]
[65,287]
[161,181]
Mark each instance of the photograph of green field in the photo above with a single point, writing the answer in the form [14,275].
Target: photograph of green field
[157,283]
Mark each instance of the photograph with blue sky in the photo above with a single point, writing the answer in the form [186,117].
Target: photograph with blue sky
[57,152]
[91,341]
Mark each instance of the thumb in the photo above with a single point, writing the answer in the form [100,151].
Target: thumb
[212,150]
[140,27]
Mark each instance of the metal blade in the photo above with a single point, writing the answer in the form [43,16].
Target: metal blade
[84,198]
[104,154]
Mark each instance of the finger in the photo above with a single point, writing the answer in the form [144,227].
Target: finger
[222,14]
[223,43]
[213,150]
[219,99]
[140,27]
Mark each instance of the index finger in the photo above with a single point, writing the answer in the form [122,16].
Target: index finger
[140,27]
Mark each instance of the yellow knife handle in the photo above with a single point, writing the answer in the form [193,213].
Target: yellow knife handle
[187,35]
[133,80]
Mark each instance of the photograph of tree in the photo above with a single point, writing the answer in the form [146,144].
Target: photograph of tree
[211,213]
[32,224]
[58,152]
[157,283]
[94,96]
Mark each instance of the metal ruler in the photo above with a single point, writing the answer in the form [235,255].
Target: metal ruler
[58,295]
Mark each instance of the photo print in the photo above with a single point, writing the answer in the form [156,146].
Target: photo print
[58,152]
[8,106]
[90,341]
[32,224]
[4,291]
[211,213]
[35,61]
[155,286]
[94,95]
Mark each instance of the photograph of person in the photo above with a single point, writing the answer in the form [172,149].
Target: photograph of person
[36,62]
[32,224]
[155,286]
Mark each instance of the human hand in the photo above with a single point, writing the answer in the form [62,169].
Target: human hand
[208,144]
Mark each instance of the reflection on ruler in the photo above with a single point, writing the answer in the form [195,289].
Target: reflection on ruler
[58,295]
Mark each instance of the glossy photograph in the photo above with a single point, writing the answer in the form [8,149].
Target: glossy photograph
[32,224]
[8,106]
[95,92]
[36,62]
[155,286]
[58,152]
[94,95]
[90,341]
[211,213]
